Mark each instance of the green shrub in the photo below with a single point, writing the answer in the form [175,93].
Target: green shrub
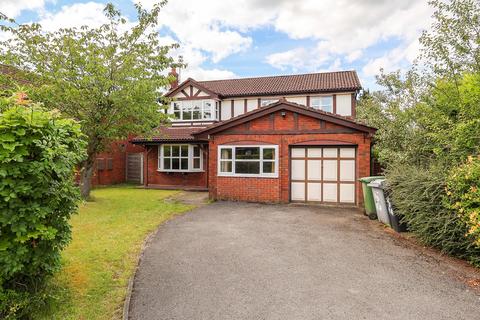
[463,197]
[419,195]
[38,153]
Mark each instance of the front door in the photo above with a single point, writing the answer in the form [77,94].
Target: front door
[323,174]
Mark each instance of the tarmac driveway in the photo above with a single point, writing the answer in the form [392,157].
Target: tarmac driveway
[252,261]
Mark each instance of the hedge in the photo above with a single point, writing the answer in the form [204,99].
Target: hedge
[38,154]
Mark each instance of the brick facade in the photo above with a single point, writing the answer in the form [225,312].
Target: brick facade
[284,131]
[180,180]
[116,154]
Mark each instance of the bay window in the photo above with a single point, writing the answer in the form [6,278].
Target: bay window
[179,157]
[256,161]
[324,103]
[194,110]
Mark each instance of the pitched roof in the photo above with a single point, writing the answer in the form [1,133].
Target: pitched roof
[280,105]
[172,134]
[290,84]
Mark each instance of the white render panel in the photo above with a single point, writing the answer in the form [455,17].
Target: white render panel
[330,152]
[299,100]
[202,94]
[180,94]
[330,192]
[347,152]
[314,169]
[330,170]
[344,104]
[238,107]
[347,192]
[347,170]
[252,104]
[314,192]
[298,169]
[298,191]
[226,109]
[298,152]
[315,152]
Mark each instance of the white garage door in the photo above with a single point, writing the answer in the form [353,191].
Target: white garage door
[323,174]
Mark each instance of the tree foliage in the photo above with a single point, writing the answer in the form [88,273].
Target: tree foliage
[107,77]
[428,124]
[38,153]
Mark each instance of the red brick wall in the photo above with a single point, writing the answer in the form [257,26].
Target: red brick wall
[154,178]
[278,189]
[117,151]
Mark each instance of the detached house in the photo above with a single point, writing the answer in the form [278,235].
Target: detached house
[266,139]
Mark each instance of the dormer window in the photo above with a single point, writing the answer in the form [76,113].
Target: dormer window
[324,103]
[196,110]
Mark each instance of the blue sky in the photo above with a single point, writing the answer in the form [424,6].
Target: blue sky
[245,38]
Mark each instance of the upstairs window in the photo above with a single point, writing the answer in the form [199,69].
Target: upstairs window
[248,161]
[188,110]
[324,103]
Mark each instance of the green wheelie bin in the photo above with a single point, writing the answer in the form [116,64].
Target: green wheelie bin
[368,201]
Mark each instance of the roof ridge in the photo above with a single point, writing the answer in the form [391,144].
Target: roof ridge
[279,76]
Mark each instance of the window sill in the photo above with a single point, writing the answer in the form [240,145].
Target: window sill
[196,120]
[248,176]
[180,171]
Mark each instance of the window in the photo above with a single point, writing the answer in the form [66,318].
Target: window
[259,161]
[180,157]
[266,102]
[324,103]
[194,110]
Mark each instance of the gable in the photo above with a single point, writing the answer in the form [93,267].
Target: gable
[287,117]
[287,122]
[189,90]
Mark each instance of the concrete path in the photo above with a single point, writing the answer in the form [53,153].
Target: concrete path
[252,261]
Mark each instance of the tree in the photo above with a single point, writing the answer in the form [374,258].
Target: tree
[452,46]
[108,77]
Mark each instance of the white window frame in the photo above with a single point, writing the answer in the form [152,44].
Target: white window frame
[182,104]
[320,105]
[190,158]
[261,160]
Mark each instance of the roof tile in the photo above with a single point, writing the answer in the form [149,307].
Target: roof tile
[277,85]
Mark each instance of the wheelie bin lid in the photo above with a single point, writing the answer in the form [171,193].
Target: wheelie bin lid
[370,179]
[377,183]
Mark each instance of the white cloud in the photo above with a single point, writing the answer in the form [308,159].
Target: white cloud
[345,29]
[76,15]
[13,8]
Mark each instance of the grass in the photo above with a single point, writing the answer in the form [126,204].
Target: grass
[107,237]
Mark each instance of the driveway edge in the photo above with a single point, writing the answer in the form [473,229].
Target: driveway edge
[196,203]
[128,296]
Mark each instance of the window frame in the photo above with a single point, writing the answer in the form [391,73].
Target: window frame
[161,158]
[321,106]
[261,161]
[179,107]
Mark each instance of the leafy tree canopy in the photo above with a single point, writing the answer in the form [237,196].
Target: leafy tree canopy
[106,77]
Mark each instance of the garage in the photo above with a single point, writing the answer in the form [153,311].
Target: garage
[323,174]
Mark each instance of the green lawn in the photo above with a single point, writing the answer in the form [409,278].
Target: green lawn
[107,237]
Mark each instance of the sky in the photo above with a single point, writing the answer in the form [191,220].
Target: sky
[246,38]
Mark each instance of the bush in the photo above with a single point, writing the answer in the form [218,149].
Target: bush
[38,153]
[463,197]
[419,194]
